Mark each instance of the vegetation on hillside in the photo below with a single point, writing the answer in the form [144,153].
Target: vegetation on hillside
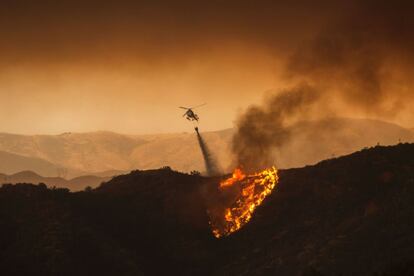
[352,215]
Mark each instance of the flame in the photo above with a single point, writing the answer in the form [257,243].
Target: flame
[238,175]
[253,190]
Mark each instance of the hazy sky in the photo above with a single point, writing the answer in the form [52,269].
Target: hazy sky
[126,66]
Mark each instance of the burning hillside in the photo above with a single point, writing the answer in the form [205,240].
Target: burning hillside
[244,193]
[351,215]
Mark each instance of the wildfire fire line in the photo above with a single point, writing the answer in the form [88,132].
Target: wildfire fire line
[249,191]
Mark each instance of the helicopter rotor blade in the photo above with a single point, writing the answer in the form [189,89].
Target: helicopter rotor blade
[183,107]
[198,106]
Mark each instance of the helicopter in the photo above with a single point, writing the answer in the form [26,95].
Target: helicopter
[190,114]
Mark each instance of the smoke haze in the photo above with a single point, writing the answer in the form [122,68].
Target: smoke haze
[357,65]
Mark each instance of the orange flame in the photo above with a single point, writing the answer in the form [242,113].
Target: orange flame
[238,175]
[253,190]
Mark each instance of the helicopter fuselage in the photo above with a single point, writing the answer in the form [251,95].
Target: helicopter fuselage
[191,116]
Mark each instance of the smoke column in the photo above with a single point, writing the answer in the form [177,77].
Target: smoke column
[211,166]
[262,128]
[360,64]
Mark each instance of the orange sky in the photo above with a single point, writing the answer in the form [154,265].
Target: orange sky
[126,66]
[132,98]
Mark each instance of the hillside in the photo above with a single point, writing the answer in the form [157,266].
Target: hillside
[75,154]
[181,151]
[352,215]
[11,163]
[313,141]
[74,184]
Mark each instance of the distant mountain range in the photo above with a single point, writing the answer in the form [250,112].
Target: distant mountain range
[106,154]
[74,184]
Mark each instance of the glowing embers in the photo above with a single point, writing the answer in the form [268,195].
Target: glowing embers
[240,195]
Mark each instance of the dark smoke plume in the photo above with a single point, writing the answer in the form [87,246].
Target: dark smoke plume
[209,162]
[360,64]
[262,128]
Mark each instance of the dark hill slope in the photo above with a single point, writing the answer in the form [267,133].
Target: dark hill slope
[149,222]
[41,233]
[157,214]
[352,215]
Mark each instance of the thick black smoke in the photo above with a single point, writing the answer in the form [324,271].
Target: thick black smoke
[362,63]
[262,128]
[365,59]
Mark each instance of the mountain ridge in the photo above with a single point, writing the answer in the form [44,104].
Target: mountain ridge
[70,155]
[73,184]
[351,215]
